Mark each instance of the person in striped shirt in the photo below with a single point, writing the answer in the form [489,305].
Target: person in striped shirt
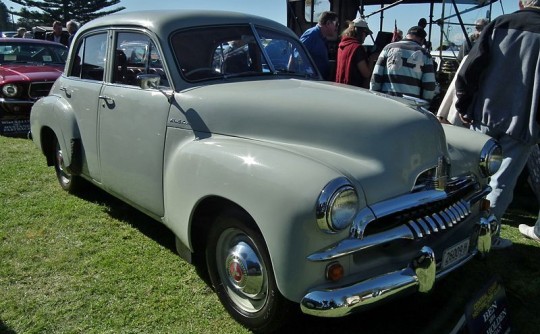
[405,68]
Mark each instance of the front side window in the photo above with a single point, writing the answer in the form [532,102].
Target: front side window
[238,51]
[136,54]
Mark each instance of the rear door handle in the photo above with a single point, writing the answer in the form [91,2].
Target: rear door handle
[66,91]
[109,101]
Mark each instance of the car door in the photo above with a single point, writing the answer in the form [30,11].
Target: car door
[81,88]
[132,124]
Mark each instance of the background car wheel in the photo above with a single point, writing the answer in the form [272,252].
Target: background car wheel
[241,272]
[68,181]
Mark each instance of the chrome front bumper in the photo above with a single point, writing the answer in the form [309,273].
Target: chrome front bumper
[420,275]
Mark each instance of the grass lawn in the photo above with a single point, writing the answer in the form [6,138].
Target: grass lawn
[91,264]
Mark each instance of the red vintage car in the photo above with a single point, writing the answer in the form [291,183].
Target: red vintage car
[28,69]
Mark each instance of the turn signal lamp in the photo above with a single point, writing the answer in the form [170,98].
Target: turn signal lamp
[334,271]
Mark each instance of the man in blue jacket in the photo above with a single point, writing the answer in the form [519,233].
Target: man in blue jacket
[498,91]
[315,39]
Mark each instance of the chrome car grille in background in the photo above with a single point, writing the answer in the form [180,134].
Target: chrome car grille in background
[39,89]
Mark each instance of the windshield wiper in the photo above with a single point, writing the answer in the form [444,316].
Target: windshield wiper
[245,74]
[293,73]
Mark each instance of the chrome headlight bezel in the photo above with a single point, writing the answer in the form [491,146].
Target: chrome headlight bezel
[337,205]
[490,158]
[10,90]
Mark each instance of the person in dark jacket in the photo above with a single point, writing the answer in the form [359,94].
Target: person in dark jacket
[353,66]
[498,93]
[57,35]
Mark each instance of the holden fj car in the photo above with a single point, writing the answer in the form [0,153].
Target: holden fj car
[28,69]
[288,191]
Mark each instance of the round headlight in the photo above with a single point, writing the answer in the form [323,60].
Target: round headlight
[490,158]
[337,206]
[10,90]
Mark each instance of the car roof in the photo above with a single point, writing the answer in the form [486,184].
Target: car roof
[163,22]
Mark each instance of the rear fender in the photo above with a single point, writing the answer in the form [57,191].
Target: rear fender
[51,113]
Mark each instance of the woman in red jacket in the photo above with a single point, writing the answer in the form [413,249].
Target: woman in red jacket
[353,66]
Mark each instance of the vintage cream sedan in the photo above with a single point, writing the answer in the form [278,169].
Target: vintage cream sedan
[290,191]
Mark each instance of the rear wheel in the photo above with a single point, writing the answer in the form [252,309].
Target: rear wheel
[67,180]
[241,272]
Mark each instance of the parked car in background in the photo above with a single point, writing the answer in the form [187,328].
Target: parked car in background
[289,191]
[8,33]
[28,69]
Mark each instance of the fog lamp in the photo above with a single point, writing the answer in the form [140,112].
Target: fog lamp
[10,90]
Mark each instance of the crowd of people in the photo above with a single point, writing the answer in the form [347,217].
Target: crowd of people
[496,90]
[56,35]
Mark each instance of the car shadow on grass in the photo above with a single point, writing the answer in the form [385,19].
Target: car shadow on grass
[4,329]
[122,211]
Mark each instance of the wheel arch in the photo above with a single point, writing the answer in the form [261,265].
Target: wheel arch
[52,118]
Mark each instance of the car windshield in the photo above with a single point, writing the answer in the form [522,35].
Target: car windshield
[235,51]
[41,53]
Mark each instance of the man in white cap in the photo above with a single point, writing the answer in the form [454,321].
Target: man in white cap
[352,59]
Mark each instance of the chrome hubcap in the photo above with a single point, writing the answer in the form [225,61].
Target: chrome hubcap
[241,270]
[245,270]
[62,173]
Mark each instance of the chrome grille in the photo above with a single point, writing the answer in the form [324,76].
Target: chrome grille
[39,89]
[423,212]
[438,221]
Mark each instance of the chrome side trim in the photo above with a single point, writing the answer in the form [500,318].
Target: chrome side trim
[413,229]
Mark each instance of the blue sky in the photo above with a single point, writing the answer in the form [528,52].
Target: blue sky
[406,15]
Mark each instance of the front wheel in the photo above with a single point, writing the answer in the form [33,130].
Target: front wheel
[241,272]
[67,180]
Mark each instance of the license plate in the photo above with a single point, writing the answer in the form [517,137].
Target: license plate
[16,126]
[455,253]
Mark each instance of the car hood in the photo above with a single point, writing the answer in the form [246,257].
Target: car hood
[19,72]
[363,135]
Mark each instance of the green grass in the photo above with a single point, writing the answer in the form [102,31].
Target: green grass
[91,264]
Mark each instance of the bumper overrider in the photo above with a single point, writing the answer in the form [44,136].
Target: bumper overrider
[422,270]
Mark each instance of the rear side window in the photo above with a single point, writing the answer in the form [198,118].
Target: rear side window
[89,63]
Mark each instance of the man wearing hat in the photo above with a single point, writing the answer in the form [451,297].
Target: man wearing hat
[20,32]
[353,66]
[405,68]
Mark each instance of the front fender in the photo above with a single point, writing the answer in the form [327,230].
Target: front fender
[52,113]
[278,188]
[464,147]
